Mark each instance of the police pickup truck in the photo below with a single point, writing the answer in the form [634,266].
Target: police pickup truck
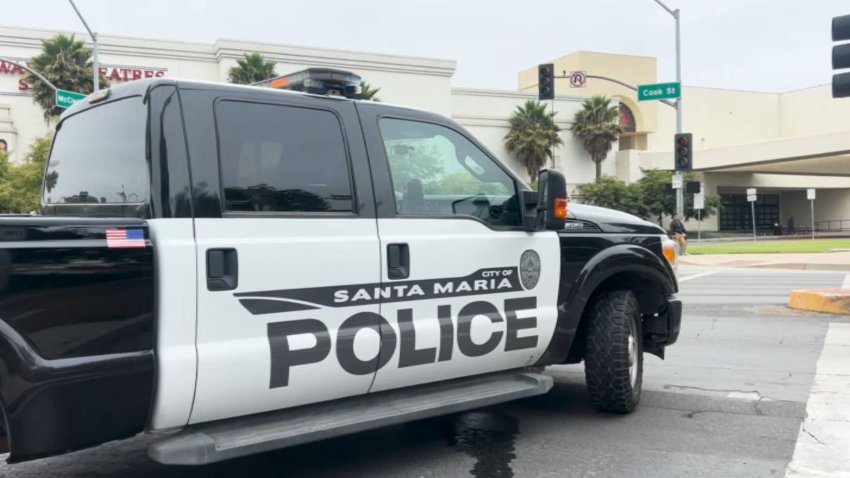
[237,269]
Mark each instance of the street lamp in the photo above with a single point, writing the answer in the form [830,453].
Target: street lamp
[680,196]
[95,64]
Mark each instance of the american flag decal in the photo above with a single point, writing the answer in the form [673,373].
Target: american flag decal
[125,238]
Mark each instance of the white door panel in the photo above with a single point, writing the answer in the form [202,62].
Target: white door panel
[273,342]
[176,300]
[504,325]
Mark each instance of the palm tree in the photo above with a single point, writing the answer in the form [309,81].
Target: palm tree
[368,93]
[597,125]
[532,136]
[251,69]
[65,62]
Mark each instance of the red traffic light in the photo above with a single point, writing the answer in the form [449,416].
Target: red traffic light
[683,160]
[546,81]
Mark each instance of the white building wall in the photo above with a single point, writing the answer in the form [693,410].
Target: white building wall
[813,111]
[719,118]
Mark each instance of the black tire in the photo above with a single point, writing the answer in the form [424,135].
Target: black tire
[613,317]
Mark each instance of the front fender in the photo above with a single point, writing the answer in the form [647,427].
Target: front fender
[586,263]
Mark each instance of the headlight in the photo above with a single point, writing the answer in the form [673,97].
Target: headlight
[670,250]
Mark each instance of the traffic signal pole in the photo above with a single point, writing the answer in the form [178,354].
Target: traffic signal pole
[34,73]
[680,194]
[95,63]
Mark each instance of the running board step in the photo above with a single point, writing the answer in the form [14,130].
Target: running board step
[222,440]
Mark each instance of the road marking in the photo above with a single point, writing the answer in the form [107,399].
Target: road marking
[697,276]
[822,444]
[753,396]
[846,284]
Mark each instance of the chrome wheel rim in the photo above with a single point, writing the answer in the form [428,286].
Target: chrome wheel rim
[633,361]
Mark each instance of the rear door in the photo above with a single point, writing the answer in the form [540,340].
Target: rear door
[296,221]
[465,290]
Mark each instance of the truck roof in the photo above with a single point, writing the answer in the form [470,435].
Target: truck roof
[141,88]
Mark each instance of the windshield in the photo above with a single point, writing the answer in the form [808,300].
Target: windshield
[98,156]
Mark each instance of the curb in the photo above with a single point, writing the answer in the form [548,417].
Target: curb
[805,266]
[831,301]
[800,266]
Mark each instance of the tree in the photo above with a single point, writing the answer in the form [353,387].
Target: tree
[414,159]
[597,125]
[65,62]
[251,69]
[532,136]
[368,93]
[20,184]
[661,201]
[614,193]
[648,198]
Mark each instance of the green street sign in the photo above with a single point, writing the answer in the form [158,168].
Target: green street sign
[659,91]
[65,98]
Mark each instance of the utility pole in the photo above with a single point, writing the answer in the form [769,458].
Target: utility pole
[95,63]
[680,194]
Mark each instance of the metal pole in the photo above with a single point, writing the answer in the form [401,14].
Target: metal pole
[699,225]
[680,200]
[35,73]
[813,218]
[680,194]
[753,212]
[556,125]
[669,103]
[95,64]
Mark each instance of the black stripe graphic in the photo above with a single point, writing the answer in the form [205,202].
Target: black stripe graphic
[483,281]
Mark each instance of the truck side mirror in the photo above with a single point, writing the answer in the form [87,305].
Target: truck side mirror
[551,200]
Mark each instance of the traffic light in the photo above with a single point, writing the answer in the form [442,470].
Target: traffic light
[841,56]
[683,152]
[546,81]
[693,187]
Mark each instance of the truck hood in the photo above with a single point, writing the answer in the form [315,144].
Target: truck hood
[610,220]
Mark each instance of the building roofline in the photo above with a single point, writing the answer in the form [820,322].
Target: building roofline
[510,94]
[227,48]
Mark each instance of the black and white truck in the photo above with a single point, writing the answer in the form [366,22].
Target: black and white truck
[238,269]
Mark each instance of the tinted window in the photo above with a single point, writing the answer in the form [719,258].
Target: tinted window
[98,156]
[282,158]
[437,171]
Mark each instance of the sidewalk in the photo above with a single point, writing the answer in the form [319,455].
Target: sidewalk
[827,261]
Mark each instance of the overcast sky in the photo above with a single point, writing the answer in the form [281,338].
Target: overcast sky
[765,45]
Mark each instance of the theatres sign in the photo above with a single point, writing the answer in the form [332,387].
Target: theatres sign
[111,73]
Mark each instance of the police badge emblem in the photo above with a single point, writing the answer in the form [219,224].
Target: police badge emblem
[529,269]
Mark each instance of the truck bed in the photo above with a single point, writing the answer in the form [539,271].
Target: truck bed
[76,332]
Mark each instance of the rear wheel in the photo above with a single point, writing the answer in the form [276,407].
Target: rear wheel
[613,361]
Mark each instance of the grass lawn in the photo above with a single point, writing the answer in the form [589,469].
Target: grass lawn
[768,247]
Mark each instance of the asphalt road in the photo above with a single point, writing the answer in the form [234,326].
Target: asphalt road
[728,401]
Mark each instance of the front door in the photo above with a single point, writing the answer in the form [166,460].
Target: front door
[297,224]
[466,290]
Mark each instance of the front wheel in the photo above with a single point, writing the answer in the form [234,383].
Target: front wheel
[613,361]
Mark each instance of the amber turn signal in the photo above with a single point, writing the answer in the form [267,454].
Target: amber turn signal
[560,211]
[670,252]
[279,83]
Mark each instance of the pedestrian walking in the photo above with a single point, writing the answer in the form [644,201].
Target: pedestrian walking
[680,234]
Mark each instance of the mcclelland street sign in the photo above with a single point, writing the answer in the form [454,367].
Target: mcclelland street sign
[65,98]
